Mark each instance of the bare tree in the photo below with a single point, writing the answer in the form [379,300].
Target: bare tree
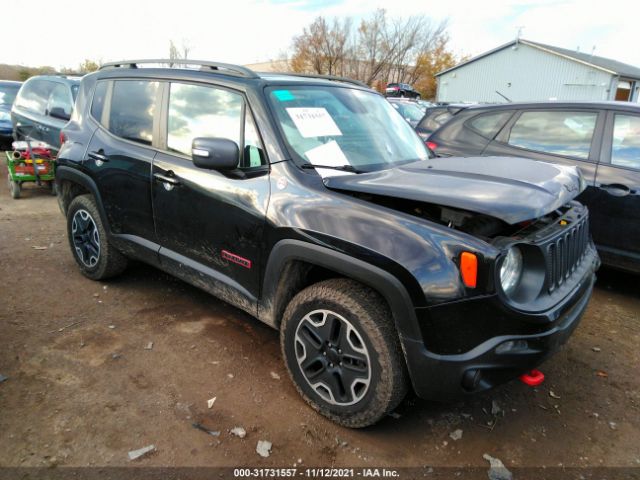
[323,48]
[176,53]
[381,50]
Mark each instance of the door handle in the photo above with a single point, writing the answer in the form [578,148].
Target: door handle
[616,189]
[99,156]
[169,178]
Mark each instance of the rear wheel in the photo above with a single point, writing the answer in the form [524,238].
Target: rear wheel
[343,352]
[14,187]
[88,240]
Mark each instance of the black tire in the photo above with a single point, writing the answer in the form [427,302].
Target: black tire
[356,308]
[88,240]
[14,187]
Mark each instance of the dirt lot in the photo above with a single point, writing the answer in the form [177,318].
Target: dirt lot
[83,389]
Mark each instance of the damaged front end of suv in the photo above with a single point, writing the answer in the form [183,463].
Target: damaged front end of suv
[529,285]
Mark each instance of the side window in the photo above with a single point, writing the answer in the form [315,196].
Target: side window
[59,104]
[133,107]
[34,96]
[197,111]
[625,149]
[97,104]
[253,155]
[557,132]
[489,124]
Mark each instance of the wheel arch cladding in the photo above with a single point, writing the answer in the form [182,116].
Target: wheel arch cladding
[74,183]
[283,278]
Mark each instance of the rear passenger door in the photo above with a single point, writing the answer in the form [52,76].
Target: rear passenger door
[616,220]
[210,223]
[119,158]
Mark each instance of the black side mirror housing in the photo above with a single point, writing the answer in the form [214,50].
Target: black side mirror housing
[58,112]
[215,153]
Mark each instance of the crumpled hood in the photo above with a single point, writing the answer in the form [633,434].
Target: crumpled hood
[510,189]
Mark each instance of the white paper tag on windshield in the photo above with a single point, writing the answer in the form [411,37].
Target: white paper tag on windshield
[313,122]
[329,154]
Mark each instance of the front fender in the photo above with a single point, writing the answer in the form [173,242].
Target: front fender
[375,277]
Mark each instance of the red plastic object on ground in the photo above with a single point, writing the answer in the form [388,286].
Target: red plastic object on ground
[533,378]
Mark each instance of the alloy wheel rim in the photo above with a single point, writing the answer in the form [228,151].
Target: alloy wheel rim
[86,239]
[332,357]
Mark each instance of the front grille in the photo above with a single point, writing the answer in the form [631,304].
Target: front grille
[565,252]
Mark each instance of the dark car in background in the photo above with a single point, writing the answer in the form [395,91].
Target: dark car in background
[8,92]
[410,110]
[43,106]
[403,90]
[602,138]
[436,116]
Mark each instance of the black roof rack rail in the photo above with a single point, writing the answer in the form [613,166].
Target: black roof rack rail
[334,78]
[222,67]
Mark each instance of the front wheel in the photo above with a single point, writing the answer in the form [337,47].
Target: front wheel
[343,352]
[14,187]
[90,247]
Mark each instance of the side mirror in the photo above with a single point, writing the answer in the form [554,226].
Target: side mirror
[215,153]
[58,112]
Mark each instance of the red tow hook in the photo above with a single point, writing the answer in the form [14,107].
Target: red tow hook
[533,378]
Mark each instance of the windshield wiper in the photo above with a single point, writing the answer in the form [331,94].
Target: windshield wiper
[344,168]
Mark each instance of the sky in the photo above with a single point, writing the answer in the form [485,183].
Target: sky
[250,31]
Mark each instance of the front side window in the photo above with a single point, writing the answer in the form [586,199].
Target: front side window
[133,107]
[344,126]
[197,111]
[35,95]
[557,132]
[625,149]
[253,155]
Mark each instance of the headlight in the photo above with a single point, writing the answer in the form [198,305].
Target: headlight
[4,116]
[511,270]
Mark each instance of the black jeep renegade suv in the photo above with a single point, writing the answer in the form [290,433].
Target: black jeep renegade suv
[311,204]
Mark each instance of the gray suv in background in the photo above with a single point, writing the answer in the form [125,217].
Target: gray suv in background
[43,106]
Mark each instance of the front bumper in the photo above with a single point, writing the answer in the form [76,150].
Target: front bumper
[500,358]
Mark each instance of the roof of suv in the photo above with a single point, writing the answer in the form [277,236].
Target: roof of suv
[227,70]
[560,104]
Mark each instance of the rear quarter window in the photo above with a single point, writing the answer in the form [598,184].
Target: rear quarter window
[489,124]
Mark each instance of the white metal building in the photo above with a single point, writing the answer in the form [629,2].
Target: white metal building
[523,70]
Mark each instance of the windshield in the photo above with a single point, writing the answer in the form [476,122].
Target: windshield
[8,94]
[344,126]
